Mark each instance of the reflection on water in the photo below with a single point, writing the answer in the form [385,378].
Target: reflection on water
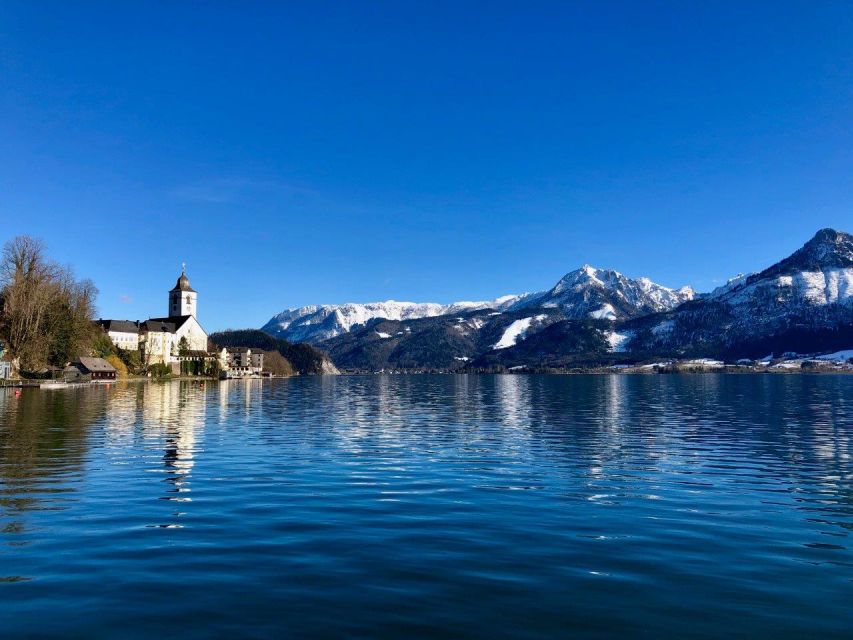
[430,505]
[43,446]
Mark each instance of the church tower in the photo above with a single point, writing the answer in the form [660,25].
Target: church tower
[182,299]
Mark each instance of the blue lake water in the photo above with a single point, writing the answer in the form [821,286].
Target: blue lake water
[423,506]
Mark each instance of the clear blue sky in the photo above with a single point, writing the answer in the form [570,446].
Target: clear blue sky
[298,153]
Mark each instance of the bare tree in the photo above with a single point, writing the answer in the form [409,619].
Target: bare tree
[277,364]
[24,276]
[45,314]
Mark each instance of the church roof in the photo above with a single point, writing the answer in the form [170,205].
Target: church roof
[169,324]
[183,284]
[122,326]
[161,325]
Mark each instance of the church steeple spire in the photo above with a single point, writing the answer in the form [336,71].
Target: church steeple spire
[182,298]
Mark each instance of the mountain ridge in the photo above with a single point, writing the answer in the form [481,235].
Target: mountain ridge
[598,317]
[606,294]
[315,323]
[583,292]
[809,291]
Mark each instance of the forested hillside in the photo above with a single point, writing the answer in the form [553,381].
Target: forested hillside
[304,358]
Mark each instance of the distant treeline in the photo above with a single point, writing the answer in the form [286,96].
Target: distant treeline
[304,358]
[796,339]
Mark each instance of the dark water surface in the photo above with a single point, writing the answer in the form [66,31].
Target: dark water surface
[423,506]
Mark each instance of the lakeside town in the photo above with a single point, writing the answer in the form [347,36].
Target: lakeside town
[50,339]
[49,335]
[175,344]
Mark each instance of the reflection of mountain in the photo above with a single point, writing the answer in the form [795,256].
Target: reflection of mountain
[513,397]
[604,430]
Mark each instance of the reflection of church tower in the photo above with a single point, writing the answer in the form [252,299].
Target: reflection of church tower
[182,299]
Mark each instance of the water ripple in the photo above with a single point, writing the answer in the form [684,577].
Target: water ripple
[423,506]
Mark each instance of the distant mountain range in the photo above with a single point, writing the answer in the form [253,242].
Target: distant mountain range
[316,323]
[585,292]
[598,316]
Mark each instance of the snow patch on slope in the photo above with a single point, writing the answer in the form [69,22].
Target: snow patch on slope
[606,312]
[831,286]
[516,331]
[618,341]
[663,327]
[838,356]
[825,287]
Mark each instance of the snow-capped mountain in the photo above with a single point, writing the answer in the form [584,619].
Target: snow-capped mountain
[731,283]
[606,294]
[802,304]
[316,323]
[805,299]
[818,274]
[587,292]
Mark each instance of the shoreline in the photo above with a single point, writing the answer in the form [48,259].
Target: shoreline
[730,371]
[56,384]
[595,372]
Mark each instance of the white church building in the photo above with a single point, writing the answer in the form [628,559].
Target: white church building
[168,339]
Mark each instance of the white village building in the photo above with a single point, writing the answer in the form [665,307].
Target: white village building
[123,333]
[241,362]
